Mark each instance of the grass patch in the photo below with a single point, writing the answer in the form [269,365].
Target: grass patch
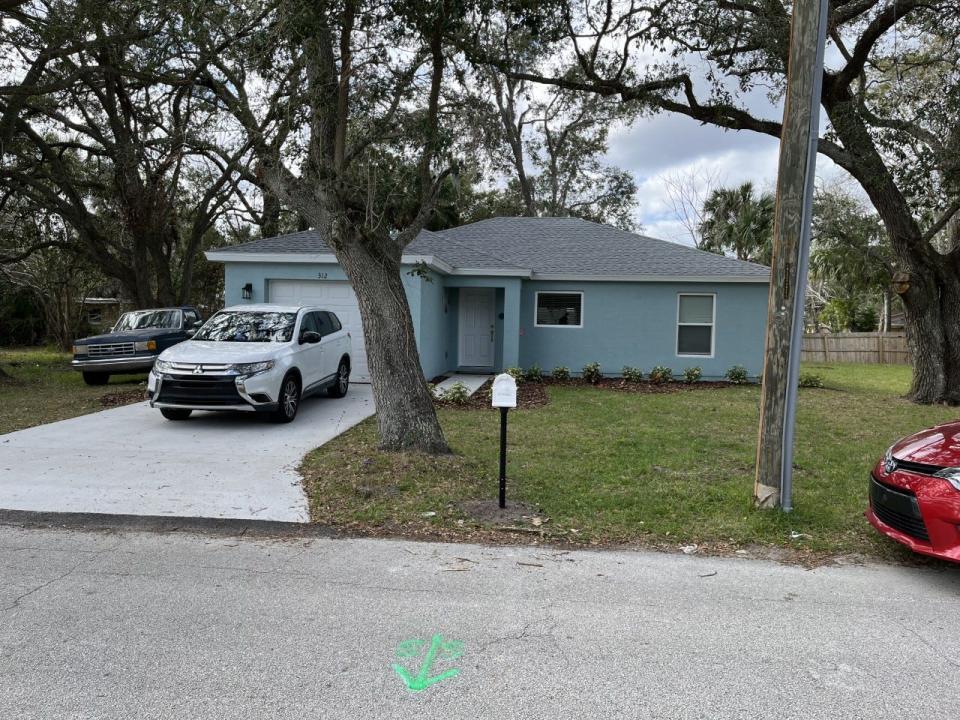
[44,388]
[613,467]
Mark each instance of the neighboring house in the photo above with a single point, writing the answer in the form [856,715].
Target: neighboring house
[103,312]
[521,291]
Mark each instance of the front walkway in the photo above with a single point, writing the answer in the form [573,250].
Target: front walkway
[471,382]
[130,461]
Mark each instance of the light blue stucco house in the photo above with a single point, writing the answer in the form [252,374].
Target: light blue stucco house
[522,291]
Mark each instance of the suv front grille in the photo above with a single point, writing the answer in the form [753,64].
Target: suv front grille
[199,390]
[205,368]
[112,349]
[898,509]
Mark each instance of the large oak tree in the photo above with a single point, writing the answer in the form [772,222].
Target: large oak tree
[100,126]
[356,89]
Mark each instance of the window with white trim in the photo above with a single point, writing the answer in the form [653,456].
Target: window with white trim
[559,309]
[695,322]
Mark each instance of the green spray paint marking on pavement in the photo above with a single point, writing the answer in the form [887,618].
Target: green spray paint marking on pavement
[449,650]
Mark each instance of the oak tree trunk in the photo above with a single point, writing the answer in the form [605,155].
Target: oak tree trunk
[406,414]
[931,298]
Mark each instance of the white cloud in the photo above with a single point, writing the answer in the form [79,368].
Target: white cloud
[667,145]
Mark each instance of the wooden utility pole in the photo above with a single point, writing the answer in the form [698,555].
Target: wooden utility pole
[791,250]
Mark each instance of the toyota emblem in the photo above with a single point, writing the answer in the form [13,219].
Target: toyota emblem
[889,464]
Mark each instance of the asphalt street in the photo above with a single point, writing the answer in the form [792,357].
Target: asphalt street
[140,625]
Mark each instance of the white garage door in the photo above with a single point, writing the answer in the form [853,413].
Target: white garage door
[335,295]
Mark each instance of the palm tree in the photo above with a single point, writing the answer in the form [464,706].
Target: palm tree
[737,221]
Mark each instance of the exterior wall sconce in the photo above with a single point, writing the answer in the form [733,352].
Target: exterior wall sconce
[247,291]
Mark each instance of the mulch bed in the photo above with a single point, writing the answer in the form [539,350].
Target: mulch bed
[647,387]
[529,395]
[123,397]
[534,395]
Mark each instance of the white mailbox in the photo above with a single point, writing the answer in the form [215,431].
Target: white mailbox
[504,391]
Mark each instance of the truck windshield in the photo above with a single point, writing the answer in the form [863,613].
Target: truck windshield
[247,326]
[140,319]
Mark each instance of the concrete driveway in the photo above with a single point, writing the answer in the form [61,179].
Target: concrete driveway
[131,461]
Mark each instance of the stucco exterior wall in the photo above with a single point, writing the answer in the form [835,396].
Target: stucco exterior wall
[623,323]
[636,324]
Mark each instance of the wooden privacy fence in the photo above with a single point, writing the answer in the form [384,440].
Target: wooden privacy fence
[859,347]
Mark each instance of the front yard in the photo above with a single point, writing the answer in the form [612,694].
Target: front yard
[610,467]
[594,466]
[43,388]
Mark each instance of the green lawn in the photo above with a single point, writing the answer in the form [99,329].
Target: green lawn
[43,388]
[613,467]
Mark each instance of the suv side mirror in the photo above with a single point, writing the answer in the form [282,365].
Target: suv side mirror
[311,337]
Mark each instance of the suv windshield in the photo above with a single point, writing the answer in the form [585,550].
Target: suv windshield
[168,319]
[247,326]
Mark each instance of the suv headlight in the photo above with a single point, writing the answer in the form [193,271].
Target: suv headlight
[145,346]
[252,368]
[162,365]
[81,349]
[951,475]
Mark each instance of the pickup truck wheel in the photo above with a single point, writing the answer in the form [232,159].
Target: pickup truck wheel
[95,378]
[289,401]
[340,385]
[175,413]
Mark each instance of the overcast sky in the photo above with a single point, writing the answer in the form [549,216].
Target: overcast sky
[657,147]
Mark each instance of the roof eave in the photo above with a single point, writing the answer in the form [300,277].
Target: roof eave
[438,265]
[225,256]
[586,277]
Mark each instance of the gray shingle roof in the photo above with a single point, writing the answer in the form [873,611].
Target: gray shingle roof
[543,246]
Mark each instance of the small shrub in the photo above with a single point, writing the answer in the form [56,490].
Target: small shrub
[458,394]
[516,373]
[810,380]
[591,372]
[560,373]
[632,374]
[533,374]
[660,375]
[692,374]
[737,375]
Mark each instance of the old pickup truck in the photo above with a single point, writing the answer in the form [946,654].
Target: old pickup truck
[134,342]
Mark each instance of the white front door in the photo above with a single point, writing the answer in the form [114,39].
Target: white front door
[477,322]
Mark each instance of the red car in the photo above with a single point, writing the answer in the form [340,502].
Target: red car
[915,492]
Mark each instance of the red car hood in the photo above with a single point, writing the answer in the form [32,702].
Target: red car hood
[939,445]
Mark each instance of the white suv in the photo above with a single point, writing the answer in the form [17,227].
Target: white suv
[255,358]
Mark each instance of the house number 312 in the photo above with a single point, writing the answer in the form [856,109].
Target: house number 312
[322,275]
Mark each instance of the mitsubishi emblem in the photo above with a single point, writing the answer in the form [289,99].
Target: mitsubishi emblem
[198,369]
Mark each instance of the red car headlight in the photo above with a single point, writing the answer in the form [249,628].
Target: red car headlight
[951,475]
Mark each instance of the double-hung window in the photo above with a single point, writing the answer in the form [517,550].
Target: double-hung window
[696,318]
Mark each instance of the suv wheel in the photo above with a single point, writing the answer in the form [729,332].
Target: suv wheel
[289,401]
[340,385]
[175,413]
[95,378]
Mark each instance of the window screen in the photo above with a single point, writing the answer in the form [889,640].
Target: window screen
[695,325]
[560,309]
